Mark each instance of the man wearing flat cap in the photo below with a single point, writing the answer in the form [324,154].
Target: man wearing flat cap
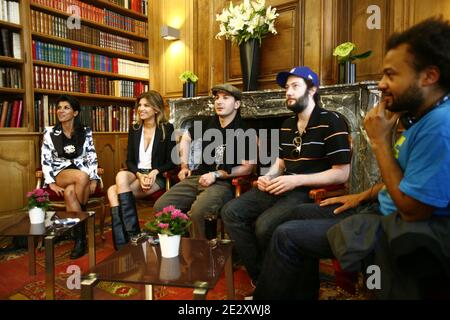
[314,151]
[204,188]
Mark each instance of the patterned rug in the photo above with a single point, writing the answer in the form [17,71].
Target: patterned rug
[17,284]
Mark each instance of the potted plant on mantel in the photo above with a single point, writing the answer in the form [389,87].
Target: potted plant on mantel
[345,55]
[246,25]
[190,79]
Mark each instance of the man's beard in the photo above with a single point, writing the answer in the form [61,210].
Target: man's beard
[410,100]
[300,104]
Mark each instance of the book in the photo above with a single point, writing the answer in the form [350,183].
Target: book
[4,113]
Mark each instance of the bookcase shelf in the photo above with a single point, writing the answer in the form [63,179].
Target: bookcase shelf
[90,23]
[118,9]
[85,95]
[89,47]
[88,71]
[11,90]
[9,25]
[10,61]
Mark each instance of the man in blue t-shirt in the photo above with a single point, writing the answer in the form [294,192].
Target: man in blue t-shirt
[407,234]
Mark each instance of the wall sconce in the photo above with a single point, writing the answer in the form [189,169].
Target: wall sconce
[170,33]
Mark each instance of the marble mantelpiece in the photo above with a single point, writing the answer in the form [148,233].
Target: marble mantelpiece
[352,101]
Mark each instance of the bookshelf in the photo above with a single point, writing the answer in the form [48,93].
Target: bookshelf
[100,57]
[103,61]
[12,68]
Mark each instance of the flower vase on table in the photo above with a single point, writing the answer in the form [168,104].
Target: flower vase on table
[38,202]
[37,215]
[170,245]
[169,224]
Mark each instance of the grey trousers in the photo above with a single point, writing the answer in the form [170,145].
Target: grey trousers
[189,196]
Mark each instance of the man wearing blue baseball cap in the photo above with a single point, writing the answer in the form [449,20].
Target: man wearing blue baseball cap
[313,151]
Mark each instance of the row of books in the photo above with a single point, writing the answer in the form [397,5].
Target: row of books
[140,6]
[135,5]
[10,44]
[11,114]
[99,118]
[10,78]
[72,57]
[56,26]
[9,11]
[71,81]
[98,15]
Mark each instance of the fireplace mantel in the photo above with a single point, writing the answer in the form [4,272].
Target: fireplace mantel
[352,101]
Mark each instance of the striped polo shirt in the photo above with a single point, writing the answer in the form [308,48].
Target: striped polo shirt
[324,143]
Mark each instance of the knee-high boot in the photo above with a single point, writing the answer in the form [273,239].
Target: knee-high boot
[79,232]
[129,213]
[79,235]
[119,234]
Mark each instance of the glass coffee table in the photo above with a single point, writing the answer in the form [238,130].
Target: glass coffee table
[199,266]
[18,224]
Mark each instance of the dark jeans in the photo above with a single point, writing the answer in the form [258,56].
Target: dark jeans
[291,265]
[252,218]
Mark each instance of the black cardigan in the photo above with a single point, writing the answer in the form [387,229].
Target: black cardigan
[161,152]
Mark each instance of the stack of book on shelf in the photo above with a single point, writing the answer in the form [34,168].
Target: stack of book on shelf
[10,44]
[10,78]
[11,113]
[99,118]
[9,11]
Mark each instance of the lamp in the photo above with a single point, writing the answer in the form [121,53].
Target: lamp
[170,33]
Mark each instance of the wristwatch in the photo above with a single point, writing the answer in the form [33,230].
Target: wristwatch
[216,174]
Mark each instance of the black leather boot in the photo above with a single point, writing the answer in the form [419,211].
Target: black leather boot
[79,249]
[129,213]
[119,234]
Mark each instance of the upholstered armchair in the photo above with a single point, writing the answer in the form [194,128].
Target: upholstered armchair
[96,200]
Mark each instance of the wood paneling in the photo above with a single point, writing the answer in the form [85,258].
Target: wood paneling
[369,39]
[109,154]
[18,162]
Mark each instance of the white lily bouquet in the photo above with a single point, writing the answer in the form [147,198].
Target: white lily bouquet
[248,20]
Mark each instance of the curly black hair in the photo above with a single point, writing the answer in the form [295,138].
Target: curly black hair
[429,42]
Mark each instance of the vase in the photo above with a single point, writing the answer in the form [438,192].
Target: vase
[188,89]
[250,57]
[170,269]
[170,245]
[347,72]
[37,229]
[37,215]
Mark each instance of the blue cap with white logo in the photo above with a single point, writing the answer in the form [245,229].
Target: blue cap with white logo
[303,72]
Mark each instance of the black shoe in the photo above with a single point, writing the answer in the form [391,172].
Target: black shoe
[129,213]
[119,235]
[79,249]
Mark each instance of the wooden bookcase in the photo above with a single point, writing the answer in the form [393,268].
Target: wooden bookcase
[98,82]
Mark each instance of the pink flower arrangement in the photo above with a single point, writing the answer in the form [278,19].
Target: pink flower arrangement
[170,221]
[38,198]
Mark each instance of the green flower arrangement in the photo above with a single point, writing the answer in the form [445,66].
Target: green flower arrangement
[344,52]
[188,76]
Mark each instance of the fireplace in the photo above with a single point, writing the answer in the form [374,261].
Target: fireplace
[266,109]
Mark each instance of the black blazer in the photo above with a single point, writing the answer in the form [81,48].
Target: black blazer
[161,152]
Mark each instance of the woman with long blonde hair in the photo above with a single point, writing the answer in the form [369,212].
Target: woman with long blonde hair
[148,157]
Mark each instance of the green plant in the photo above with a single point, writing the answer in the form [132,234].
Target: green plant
[38,198]
[170,221]
[248,20]
[188,76]
[344,52]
